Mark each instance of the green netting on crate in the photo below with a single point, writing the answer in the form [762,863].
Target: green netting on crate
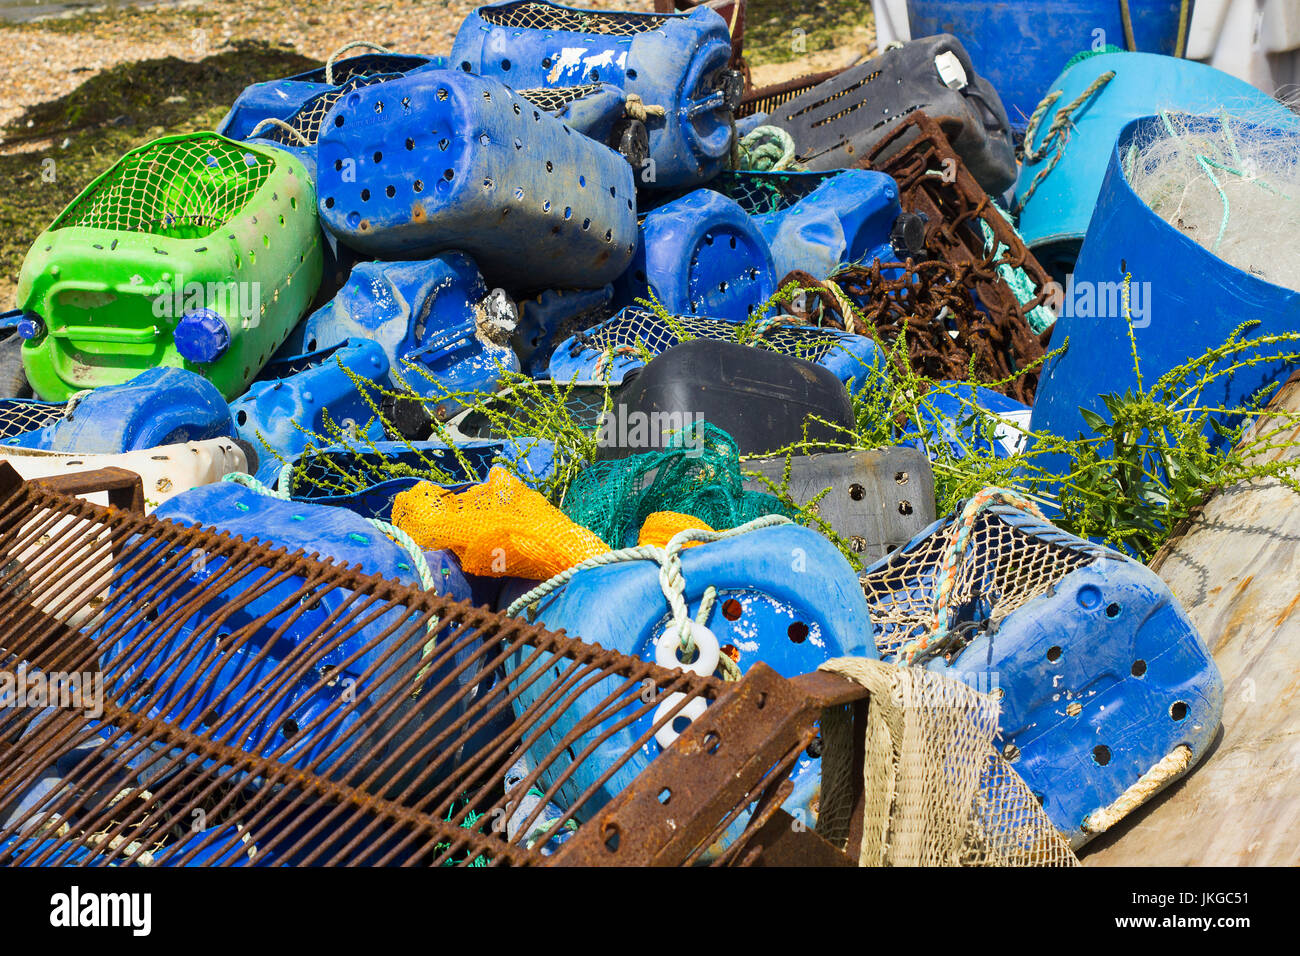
[761,194]
[698,474]
[180,188]
[532,15]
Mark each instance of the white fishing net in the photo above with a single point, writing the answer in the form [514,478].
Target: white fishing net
[1230,183]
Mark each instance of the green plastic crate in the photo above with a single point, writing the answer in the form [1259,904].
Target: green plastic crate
[185,222]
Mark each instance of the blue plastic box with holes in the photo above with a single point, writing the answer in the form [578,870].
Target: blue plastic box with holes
[814,222]
[700,255]
[544,319]
[291,398]
[235,703]
[320,472]
[953,416]
[676,62]
[160,406]
[443,160]
[281,99]
[784,596]
[1099,672]
[612,349]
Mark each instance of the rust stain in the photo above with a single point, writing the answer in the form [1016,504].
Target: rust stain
[417,212]
[1287,611]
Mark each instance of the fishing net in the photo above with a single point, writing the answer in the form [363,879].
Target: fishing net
[985,562]
[183,187]
[533,15]
[697,474]
[764,193]
[499,528]
[553,100]
[1230,185]
[936,792]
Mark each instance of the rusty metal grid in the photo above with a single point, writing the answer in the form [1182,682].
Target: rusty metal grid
[76,579]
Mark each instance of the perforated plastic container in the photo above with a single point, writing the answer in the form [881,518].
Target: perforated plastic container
[442,160]
[192,251]
[613,348]
[701,255]
[677,61]
[1099,672]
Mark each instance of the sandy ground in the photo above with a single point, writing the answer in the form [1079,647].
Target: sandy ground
[46,59]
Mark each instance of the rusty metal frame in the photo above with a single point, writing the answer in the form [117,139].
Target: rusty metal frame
[443,810]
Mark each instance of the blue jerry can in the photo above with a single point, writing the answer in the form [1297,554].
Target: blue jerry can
[160,406]
[190,681]
[700,255]
[817,221]
[953,414]
[1184,300]
[1099,672]
[785,596]
[287,405]
[442,160]
[674,63]
[613,348]
[281,99]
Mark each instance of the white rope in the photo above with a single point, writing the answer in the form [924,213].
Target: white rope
[279,124]
[638,109]
[671,580]
[329,64]
[1172,765]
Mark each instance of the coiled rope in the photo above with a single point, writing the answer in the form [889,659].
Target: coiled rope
[671,581]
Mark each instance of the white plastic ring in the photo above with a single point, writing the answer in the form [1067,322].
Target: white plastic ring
[665,735]
[707,656]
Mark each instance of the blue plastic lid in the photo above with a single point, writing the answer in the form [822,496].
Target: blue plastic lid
[202,335]
[30,326]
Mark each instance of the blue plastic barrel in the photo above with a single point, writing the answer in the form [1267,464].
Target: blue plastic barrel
[1055,197]
[1021,45]
[1184,300]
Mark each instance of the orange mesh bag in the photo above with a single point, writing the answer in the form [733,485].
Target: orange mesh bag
[660,527]
[501,527]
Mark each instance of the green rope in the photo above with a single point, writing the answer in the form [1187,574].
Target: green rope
[767,149]
[1039,317]
[671,580]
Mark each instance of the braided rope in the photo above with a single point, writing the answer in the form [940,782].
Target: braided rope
[281,125]
[1058,133]
[767,149]
[329,64]
[1173,765]
[671,580]
[955,551]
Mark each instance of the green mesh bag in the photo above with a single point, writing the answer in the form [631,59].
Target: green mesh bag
[698,474]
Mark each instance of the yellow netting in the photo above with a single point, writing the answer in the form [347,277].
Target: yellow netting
[660,528]
[499,528]
[936,792]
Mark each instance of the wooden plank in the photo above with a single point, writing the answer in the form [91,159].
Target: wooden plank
[1236,569]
